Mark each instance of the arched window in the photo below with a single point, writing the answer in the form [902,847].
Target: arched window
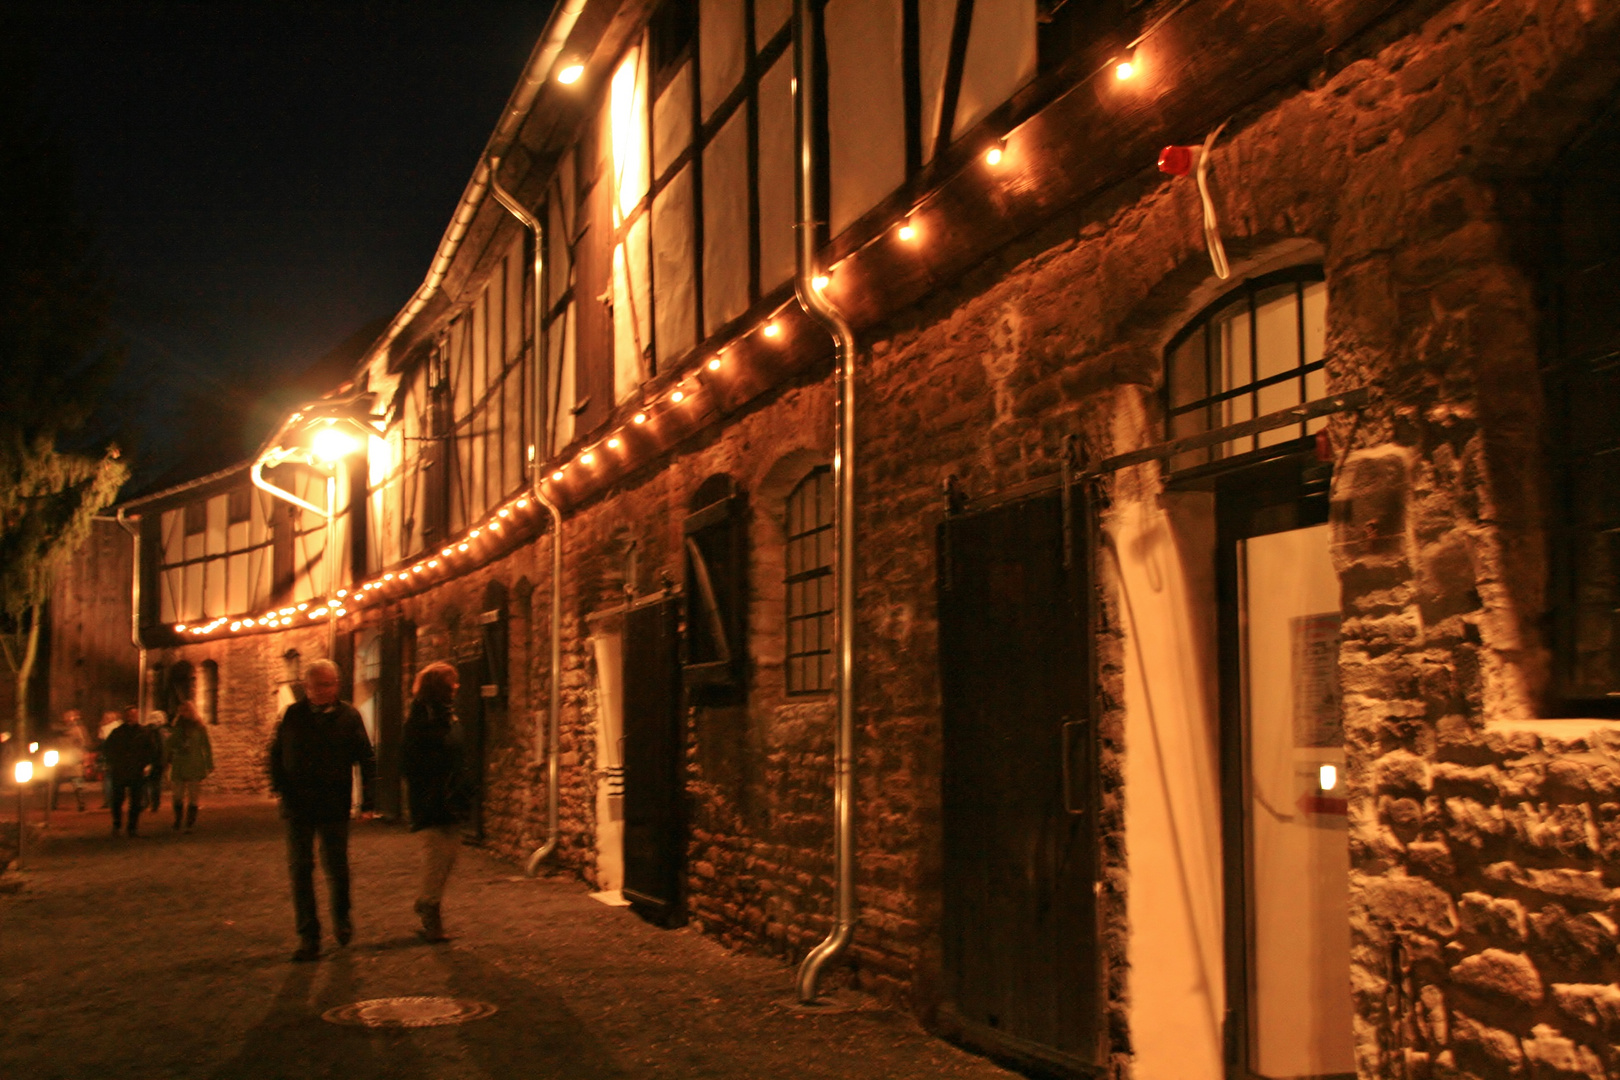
[809,656]
[1256,350]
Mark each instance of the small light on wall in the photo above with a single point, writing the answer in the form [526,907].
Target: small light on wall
[51,758]
[908,232]
[388,577]
[433,564]
[558,475]
[678,396]
[714,363]
[569,75]
[473,533]
[522,504]
[24,772]
[462,547]
[445,553]
[495,525]
[179,627]
[639,418]
[505,512]
[994,155]
[613,443]
[1327,777]
[247,622]
[236,626]
[342,611]
[587,458]
[1125,68]
[772,329]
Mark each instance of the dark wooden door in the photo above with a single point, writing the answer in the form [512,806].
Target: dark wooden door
[390,713]
[1022,969]
[470,711]
[654,756]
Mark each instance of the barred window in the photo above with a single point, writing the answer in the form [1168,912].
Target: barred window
[810,584]
[1256,350]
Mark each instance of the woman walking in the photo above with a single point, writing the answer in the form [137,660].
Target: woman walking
[191,758]
[440,796]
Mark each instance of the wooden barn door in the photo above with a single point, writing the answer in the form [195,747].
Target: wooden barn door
[1022,970]
[654,757]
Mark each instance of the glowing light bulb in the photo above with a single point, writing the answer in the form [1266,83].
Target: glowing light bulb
[445,553]
[994,155]
[587,458]
[236,626]
[558,475]
[678,396]
[1126,68]
[639,418]
[522,503]
[772,329]
[907,232]
[473,533]
[433,564]
[714,363]
[613,443]
[51,758]
[24,772]
[179,627]
[819,282]
[462,547]
[569,75]
[505,512]
[247,622]
[388,577]
[495,525]
[1327,777]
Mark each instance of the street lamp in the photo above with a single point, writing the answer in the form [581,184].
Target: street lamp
[321,436]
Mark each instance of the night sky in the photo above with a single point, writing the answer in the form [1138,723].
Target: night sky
[264,181]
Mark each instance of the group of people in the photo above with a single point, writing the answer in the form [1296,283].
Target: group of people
[317,746]
[132,759]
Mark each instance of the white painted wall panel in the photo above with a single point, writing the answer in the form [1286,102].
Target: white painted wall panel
[935,18]
[769,17]
[172,526]
[1000,58]
[564,351]
[217,508]
[214,588]
[720,37]
[725,225]
[236,592]
[865,106]
[632,311]
[776,175]
[672,120]
[676,299]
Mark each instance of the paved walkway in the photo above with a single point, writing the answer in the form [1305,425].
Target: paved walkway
[167,956]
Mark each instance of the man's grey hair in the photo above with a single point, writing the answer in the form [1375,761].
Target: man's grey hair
[322,665]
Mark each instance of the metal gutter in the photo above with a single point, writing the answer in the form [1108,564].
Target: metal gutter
[818,307]
[542,442]
[541,61]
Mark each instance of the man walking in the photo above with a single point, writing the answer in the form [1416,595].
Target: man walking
[312,758]
[128,754]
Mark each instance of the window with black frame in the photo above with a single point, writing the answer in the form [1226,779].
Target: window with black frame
[1581,374]
[809,659]
[1256,350]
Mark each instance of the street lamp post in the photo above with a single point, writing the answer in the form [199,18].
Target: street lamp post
[23,771]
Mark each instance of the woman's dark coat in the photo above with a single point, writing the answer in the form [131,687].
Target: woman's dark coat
[432,759]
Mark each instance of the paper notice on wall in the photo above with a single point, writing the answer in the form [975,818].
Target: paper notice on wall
[1318,717]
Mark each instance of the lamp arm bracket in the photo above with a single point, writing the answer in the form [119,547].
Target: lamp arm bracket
[281,493]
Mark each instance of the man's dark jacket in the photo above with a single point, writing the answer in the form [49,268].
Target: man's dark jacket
[312,758]
[127,752]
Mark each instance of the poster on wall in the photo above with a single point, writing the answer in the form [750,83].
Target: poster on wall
[1318,718]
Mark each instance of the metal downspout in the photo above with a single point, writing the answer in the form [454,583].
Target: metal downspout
[542,412]
[805,92]
[135,613]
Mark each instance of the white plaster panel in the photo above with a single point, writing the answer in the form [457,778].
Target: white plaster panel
[776,174]
[672,120]
[214,587]
[769,17]
[673,263]
[865,105]
[725,225]
[237,593]
[1000,58]
[935,19]
[720,37]
[632,311]
[218,508]
[564,351]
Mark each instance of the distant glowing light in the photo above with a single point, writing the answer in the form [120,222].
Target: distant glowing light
[819,282]
[495,525]
[678,396]
[473,533]
[522,504]
[433,564]
[639,418]
[993,155]
[505,512]
[342,611]
[24,772]
[907,232]
[331,445]
[587,458]
[1125,69]
[558,475]
[714,363]
[51,758]
[1327,777]
[445,553]
[772,328]
[236,626]
[462,547]
[179,627]
[569,75]
[613,443]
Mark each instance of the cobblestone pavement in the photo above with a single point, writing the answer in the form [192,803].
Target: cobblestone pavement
[167,956]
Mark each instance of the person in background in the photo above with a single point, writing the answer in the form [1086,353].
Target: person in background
[157,729]
[129,756]
[316,746]
[68,738]
[109,721]
[433,761]
[190,758]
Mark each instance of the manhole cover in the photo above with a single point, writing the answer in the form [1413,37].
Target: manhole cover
[408,1012]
